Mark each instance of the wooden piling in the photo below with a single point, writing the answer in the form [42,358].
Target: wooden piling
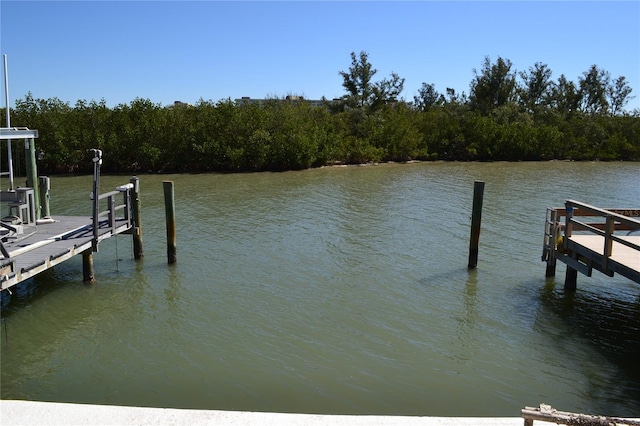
[571,279]
[551,268]
[138,252]
[87,266]
[170,213]
[32,173]
[476,217]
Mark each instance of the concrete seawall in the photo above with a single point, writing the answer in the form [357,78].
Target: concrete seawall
[53,413]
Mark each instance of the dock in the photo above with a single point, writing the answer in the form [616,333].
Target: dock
[585,238]
[32,240]
[46,245]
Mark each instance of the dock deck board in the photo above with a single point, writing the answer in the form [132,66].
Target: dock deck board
[620,254]
[43,246]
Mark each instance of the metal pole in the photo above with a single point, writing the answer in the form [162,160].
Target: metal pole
[8,116]
[97,161]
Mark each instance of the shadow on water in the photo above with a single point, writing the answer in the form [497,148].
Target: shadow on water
[608,321]
[32,290]
[52,287]
[460,281]
[27,293]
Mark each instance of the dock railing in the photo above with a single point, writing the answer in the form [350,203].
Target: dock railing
[612,225]
[113,222]
[59,239]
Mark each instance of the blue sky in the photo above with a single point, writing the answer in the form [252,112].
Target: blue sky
[187,50]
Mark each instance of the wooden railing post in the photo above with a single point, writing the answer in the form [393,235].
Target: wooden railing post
[608,241]
[126,200]
[112,213]
[568,225]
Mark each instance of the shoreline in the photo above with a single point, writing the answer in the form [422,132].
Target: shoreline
[327,166]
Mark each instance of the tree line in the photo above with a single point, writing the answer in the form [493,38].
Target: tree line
[507,115]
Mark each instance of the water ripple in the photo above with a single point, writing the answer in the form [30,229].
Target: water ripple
[340,290]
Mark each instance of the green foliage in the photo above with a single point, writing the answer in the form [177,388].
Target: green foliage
[357,82]
[427,97]
[566,98]
[493,86]
[364,93]
[399,135]
[535,90]
[594,87]
[536,119]
[618,95]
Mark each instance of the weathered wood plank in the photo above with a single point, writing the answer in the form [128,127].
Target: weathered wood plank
[633,213]
[546,413]
[620,253]
[53,243]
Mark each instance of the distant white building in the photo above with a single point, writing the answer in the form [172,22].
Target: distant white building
[246,100]
[179,104]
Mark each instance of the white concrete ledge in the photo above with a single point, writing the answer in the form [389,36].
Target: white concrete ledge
[53,413]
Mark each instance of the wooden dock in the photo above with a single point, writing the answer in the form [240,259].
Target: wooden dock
[585,238]
[32,241]
[29,248]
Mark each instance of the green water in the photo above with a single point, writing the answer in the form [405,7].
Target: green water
[336,290]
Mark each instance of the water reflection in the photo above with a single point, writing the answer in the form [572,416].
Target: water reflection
[470,301]
[467,317]
[172,292]
[338,291]
[608,322]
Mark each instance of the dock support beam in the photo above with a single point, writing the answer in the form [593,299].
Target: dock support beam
[476,217]
[137,222]
[571,279]
[170,213]
[88,275]
[551,268]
